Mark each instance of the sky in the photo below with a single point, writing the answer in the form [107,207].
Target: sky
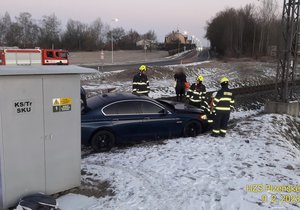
[162,16]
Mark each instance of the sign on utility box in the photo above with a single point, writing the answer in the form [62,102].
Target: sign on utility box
[39,130]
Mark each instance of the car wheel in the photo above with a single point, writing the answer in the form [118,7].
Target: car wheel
[103,141]
[192,129]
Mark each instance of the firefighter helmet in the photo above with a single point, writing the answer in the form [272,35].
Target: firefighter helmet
[224,80]
[200,78]
[143,68]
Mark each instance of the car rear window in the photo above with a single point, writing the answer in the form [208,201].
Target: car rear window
[94,102]
[122,108]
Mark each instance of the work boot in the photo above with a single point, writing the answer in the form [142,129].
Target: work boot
[214,135]
[223,135]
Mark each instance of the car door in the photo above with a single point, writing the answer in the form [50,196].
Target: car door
[126,120]
[158,122]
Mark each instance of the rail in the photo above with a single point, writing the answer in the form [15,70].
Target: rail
[248,89]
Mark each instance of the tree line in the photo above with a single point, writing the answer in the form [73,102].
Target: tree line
[248,31]
[48,32]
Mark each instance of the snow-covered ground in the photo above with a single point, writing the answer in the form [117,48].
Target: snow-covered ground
[199,173]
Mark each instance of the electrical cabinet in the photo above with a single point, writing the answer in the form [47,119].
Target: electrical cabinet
[39,130]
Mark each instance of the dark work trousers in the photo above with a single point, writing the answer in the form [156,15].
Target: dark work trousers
[180,92]
[220,122]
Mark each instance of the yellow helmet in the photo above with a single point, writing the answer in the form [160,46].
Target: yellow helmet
[143,68]
[224,79]
[200,78]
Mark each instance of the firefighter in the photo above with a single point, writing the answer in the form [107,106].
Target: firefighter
[140,83]
[197,94]
[180,79]
[223,104]
[212,112]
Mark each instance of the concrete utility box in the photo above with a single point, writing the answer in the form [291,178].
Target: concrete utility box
[39,130]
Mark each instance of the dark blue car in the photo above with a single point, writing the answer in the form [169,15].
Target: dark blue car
[117,118]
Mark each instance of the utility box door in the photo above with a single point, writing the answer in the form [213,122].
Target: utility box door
[22,136]
[62,132]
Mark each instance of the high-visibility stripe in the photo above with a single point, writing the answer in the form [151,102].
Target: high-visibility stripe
[193,100]
[223,108]
[216,131]
[217,100]
[210,121]
[223,131]
[225,99]
[232,101]
[146,91]
[227,94]
[139,83]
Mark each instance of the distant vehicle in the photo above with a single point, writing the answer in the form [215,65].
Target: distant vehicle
[33,57]
[117,118]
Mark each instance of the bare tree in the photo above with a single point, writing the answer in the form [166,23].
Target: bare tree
[5,24]
[239,32]
[97,32]
[49,31]
[29,30]
[74,35]
[267,13]
[117,34]
[150,35]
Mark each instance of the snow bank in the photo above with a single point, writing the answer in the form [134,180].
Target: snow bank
[199,173]
[162,82]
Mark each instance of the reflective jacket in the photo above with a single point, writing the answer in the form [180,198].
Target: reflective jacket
[197,93]
[224,100]
[140,84]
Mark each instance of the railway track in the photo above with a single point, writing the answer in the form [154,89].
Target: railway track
[247,90]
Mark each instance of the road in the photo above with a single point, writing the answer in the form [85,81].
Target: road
[189,57]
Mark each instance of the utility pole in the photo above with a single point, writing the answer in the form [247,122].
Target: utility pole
[112,40]
[287,62]
[288,50]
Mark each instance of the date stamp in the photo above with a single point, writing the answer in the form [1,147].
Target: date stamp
[276,193]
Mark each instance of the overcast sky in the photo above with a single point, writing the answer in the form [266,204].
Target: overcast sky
[162,16]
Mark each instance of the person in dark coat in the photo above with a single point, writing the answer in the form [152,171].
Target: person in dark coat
[140,84]
[83,97]
[223,104]
[180,79]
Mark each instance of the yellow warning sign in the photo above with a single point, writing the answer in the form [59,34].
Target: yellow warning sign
[55,101]
[62,104]
[62,101]
[66,101]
